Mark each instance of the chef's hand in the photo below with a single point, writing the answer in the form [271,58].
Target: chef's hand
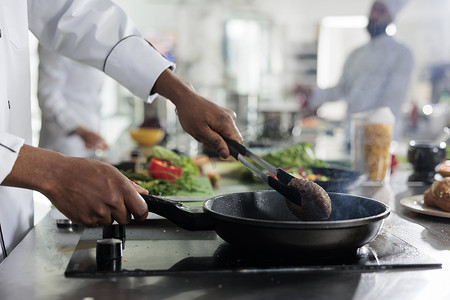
[303,93]
[86,191]
[91,139]
[201,118]
[207,122]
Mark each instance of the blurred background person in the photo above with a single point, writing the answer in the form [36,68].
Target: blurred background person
[69,95]
[374,75]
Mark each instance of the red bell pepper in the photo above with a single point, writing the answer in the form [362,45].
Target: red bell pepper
[162,169]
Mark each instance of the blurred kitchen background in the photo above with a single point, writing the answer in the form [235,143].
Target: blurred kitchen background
[248,55]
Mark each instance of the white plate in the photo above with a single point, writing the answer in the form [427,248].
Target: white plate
[415,203]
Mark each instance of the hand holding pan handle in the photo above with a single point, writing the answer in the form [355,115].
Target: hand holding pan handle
[190,218]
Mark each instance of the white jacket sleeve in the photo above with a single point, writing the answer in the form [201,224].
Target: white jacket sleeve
[338,92]
[52,79]
[9,150]
[98,33]
[320,96]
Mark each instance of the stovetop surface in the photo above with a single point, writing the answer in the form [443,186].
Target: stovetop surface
[157,247]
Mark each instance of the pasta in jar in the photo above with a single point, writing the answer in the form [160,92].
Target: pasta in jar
[375,149]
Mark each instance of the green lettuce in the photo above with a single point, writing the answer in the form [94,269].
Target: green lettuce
[290,157]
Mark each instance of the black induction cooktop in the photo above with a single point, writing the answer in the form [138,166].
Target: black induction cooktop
[157,247]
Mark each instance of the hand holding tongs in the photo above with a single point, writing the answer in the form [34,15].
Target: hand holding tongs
[280,179]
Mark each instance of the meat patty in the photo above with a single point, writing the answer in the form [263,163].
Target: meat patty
[316,204]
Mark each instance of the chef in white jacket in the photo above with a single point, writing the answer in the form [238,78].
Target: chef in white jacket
[98,33]
[70,98]
[374,75]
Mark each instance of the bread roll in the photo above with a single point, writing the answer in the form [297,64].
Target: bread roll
[438,195]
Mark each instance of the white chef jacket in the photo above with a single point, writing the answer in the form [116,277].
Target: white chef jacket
[95,32]
[69,94]
[374,75]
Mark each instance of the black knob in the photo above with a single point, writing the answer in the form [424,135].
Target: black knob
[115,231]
[109,265]
[109,249]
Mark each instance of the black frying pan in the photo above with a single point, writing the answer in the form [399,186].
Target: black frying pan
[262,220]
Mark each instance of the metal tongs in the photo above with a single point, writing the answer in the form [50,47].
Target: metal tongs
[275,177]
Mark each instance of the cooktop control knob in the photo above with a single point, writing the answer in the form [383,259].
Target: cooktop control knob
[115,231]
[109,249]
[109,255]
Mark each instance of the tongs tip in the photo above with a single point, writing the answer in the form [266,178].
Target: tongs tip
[278,179]
[284,189]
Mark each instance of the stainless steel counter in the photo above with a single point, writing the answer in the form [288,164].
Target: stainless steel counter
[35,269]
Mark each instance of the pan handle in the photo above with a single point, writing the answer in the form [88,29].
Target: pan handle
[189,218]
